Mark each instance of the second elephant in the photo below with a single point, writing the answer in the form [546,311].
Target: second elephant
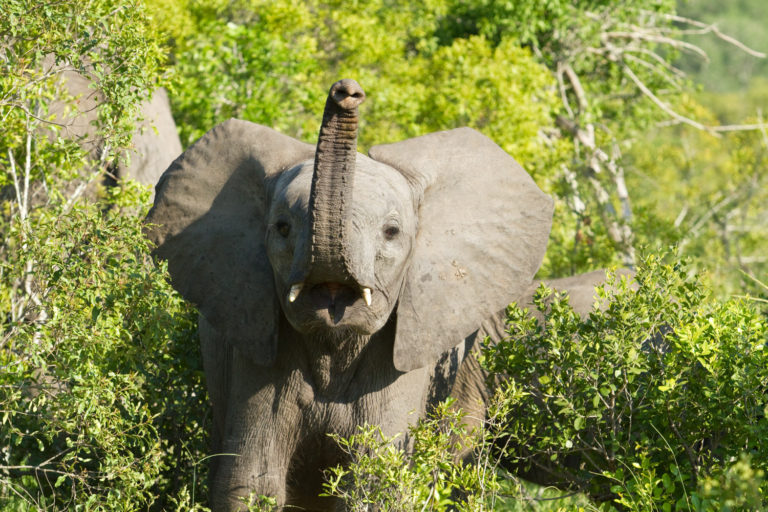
[155,142]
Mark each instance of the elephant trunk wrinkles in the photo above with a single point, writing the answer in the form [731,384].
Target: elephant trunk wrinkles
[332,181]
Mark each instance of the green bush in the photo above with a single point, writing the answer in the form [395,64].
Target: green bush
[383,476]
[103,403]
[655,401]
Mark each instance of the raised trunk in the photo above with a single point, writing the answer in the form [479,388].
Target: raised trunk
[332,183]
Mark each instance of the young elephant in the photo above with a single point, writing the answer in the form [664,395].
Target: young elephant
[331,283]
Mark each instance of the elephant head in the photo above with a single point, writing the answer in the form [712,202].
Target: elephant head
[436,233]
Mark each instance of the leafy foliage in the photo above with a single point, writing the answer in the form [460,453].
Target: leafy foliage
[109,42]
[103,403]
[564,87]
[382,476]
[272,63]
[101,391]
[655,400]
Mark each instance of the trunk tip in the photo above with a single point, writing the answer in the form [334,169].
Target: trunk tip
[347,94]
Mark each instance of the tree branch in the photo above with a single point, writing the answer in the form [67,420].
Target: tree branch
[705,28]
[663,106]
[578,90]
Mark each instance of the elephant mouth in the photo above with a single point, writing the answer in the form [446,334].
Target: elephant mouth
[334,298]
[330,305]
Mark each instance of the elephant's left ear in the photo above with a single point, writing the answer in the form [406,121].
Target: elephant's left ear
[483,230]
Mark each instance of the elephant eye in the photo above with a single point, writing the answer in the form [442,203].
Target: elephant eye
[283,228]
[391,232]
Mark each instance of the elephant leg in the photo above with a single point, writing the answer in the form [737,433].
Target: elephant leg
[258,437]
[217,355]
[470,389]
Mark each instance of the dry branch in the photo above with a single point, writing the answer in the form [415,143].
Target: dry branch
[705,28]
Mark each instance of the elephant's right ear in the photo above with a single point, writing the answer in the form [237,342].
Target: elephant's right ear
[209,223]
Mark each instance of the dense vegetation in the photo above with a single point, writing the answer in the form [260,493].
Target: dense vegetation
[101,391]
[656,401]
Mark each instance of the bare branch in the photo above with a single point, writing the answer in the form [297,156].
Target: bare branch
[16,184]
[30,114]
[620,234]
[739,127]
[581,97]
[621,185]
[577,205]
[705,28]
[663,106]
[681,216]
[753,259]
[563,93]
[658,58]
[28,163]
[662,72]
[641,35]
[99,171]
[762,127]
[710,212]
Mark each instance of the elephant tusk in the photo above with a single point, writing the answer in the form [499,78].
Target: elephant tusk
[367,296]
[295,291]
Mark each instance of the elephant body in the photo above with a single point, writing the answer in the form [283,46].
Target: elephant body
[155,142]
[314,388]
[337,289]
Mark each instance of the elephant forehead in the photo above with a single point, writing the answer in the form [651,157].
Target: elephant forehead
[294,185]
[378,188]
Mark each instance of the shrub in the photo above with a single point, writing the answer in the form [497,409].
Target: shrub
[654,401]
[101,391]
[382,476]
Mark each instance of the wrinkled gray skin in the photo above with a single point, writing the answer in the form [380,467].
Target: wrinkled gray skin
[154,145]
[444,230]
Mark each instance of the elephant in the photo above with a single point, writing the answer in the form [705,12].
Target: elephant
[155,142]
[337,289]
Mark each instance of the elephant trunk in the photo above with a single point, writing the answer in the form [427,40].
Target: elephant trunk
[332,181]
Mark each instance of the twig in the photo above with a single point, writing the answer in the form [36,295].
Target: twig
[641,35]
[30,114]
[681,216]
[27,164]
[663,106]
[621,185]
[563,93]
[620,234]
[16,185]
[83,185]
[762,127]
[706,216]
[753,259]
[658,58]
[707,28]
[577,88]
[739,127]
[654,68]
